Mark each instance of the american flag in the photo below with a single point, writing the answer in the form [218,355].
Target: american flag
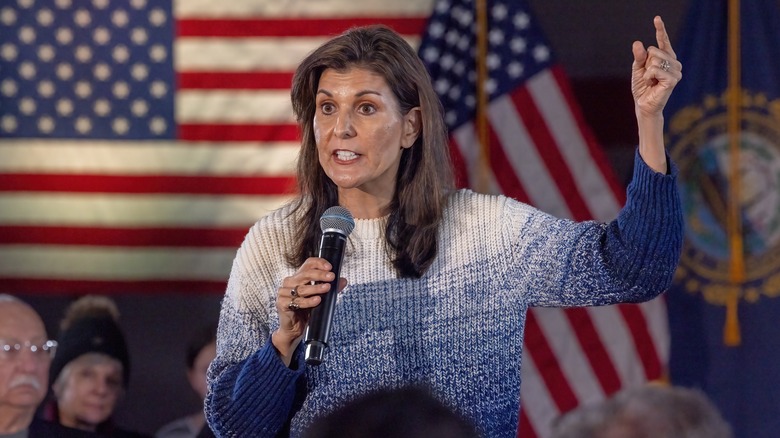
[141,139]
[541,152]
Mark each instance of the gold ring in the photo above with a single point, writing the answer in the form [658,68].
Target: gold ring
[293,305]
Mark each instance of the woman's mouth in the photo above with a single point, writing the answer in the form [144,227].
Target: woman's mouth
[342,155]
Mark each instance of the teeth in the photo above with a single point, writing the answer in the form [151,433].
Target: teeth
[346,155]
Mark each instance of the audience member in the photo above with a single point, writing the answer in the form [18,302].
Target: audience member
[409,412]
[91,369]
[651,411]
[25,357]
[201,350]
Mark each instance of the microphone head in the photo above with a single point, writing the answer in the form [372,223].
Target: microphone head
[337,218]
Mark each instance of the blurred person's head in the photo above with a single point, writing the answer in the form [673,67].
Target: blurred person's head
[201,350]
[651,411]
[656,411]
[25,356]
[409,412]
[91,370]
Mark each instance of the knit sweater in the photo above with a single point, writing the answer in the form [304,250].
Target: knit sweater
[457,330]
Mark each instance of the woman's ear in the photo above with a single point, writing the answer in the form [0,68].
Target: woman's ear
[412,126]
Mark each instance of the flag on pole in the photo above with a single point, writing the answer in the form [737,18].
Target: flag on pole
[742,379]
[541,152]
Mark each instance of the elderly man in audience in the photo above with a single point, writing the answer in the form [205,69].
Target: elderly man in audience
[25,356]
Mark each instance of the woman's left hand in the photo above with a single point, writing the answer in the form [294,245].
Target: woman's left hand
[655,72]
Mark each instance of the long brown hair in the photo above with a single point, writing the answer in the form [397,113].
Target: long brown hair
[425,175]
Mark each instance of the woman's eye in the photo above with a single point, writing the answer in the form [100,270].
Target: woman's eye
[366,109]
[327,108]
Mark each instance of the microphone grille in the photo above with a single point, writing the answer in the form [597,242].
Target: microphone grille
[338,218]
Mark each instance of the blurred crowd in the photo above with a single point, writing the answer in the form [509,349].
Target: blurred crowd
[70,386]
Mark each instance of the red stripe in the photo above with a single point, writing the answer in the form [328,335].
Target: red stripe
[129,237]
[234,80]
[547,364]
[526,429]
[548,151]
[37,286]
[590,341]
[208,185]
[595,149]
[643,341]
[458,165]
[502,169]
[298,27]
[224,132]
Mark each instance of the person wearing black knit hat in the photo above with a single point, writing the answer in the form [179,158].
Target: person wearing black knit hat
[91,369]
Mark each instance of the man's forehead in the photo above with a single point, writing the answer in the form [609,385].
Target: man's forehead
[19,319]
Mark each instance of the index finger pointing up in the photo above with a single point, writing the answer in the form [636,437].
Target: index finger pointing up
[662,37]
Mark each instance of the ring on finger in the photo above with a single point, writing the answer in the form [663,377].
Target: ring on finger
[293,305]
[665,65]
[294,291]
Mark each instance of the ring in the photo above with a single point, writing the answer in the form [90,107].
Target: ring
[294,292]
[293,305]
[665,65]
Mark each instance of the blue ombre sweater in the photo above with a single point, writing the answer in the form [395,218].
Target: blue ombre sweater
[457,330]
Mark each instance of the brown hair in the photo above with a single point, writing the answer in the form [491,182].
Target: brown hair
[425,175]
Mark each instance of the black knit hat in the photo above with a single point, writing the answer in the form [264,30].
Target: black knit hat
[91,334]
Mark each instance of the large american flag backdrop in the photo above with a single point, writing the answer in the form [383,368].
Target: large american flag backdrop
[141,139]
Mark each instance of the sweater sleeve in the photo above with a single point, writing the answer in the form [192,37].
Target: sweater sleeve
[251,391]
[254,397]
[631,259]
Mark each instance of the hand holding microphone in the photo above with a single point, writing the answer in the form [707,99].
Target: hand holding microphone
[297,304]
[336,224]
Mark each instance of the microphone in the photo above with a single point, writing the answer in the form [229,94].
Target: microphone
[336,224]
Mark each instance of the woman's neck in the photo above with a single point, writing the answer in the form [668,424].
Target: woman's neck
[76,423]
[363,205]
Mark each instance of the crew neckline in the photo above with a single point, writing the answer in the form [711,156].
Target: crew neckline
[370,228]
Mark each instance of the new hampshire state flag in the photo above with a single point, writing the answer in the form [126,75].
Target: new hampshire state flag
[742,378]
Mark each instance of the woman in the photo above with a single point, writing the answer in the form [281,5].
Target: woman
[440,279]
[91,369]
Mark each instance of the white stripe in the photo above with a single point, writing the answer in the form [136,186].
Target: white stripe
[521,151]
[242,54]
[119,263]
[658,325]
[122,210]
[265,106]
[572,360]
[616,338]
[247,54]
[465,138]
[302,8]
[535,397]
[148,158]
[587,175]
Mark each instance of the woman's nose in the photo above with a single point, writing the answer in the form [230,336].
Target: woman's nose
[344,127]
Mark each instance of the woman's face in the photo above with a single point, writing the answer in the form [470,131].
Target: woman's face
[360,132]
[89,391]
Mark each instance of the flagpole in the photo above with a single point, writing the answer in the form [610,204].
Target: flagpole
[731,332]
[481,183]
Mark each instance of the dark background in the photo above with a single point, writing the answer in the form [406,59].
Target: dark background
[591,39]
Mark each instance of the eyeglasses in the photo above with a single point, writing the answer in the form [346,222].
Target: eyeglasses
[10,350]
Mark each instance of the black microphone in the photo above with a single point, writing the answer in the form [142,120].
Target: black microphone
[336,224]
